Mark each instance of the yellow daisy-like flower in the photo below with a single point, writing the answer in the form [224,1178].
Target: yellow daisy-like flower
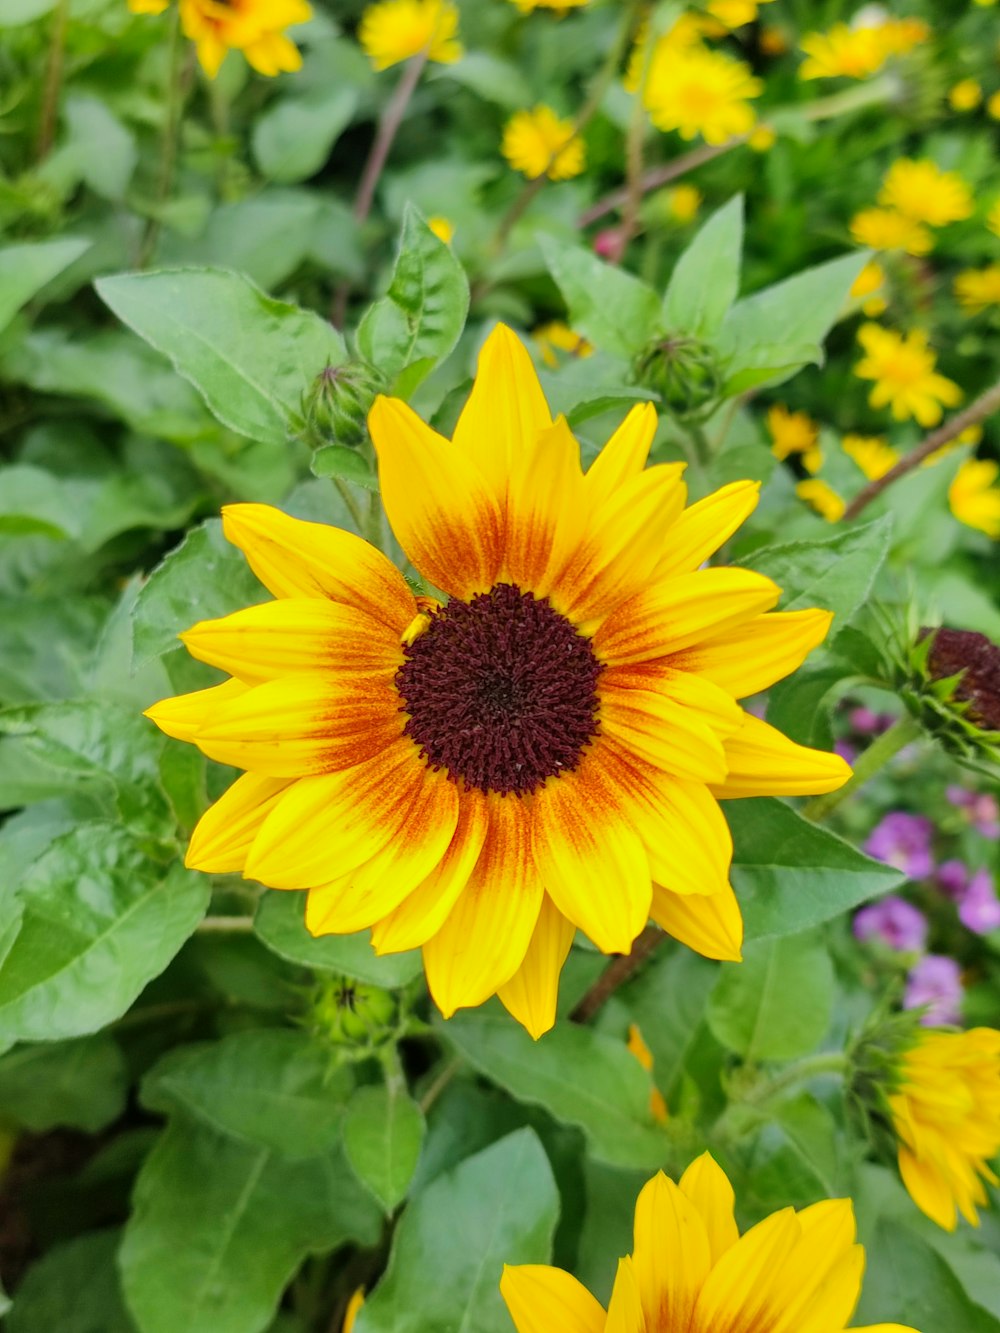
[255,28]
[735,13]
[683,202]
[442,228]
[539,143]
[843,52]
[871,453]
[922,192]
[544,752]
[868,287]
[397,30]
[821,497]
[762,139]
[974,496]
[902,366]
[638,1047]
[148,6]
[791,432]
[978,288]
[946,1113]
[690,1270]
[556,337]
[885,229]
[697,91]
[965,95]
[561,6]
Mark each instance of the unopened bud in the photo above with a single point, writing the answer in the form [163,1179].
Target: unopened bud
[336,407]
[349,1013]
[685,372]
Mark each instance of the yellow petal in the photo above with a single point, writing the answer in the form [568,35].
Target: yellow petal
[541,1300]
[929,1189]
[741,1283]
[182,715]
[224,834]
[625,1311]
[623,456]
[533,990]
[707,1186]
[712,925]
[545,513]
[705,526]
[664,733]
[763,762]
[754,655]
[671,1257]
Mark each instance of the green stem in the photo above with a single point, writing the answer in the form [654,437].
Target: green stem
[225,925]
[176,95]
[743,1115]
[353,508]
[53,79]
[902,732]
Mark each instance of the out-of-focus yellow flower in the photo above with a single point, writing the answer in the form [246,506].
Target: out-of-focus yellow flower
[946,1114]
[148,6]
[993,106]
[560,6]
[644,1055]
[557,337]
[442,228]
[683,202]
[791,432]
[696,91]
[974,499]
[993,218]
[902,366]
[885,229]
[762,139]
[843,52]
[256,28]
[965,95]
[821,497]
[773,41]
[900,36]
[538,143]
[396,30]
[871,453]
[353,1307]
[812,460]
[868,287]
[735,13]
[922,192]
[978,288]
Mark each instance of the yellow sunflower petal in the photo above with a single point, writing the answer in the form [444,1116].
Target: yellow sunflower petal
[707,1186]
[710,924]
[293,558]
[545,513]
[623,456]
[763,762]
[671,1256]
[440,505]
[821,1281]
[929,1189]
[625,1314]
[541,1299]
[742,1279]
[754,655]
[182,715]
[705,526]
[664,733]
[224,834]
[533,990]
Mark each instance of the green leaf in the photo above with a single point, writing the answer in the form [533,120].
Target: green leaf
[251,358]
[201,579]
[615,311]
[491,78]
[905,1280]
[277,1088]
[422,315]
[337,460]
[101,920]
[30,505]
[16,12]
[802,704]
[383,1133]
[668,1001]
[498,1207]
[219,1227]
[292,139]
[769,363]
[98,150]
[706,279]
[80,1084]
[73,1288]
[25,270]
[790,874]
[30,670]
[580,1076]
[280,924]
[777,1003]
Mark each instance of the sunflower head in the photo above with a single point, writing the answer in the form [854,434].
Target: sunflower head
[950,681]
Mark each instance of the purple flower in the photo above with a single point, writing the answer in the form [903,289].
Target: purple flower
[866,722]
[952,878]
[904,841]
[846,750]
[982,809]
[896,922]
[935,981]
[979,907]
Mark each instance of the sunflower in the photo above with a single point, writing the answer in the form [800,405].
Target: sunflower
[540,753]
[690,1270]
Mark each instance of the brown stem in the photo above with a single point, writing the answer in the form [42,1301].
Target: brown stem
[658,176]
[53,79]
[616,975]
[985,405]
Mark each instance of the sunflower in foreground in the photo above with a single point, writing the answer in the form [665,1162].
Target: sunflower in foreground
[690,1271]
[541,752]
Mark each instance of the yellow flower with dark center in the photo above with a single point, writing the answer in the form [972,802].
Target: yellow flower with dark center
[638,1047]
[871,453]
[696,91]
[922,192]
[903,368]
[545,751]
[397,30]
[974,496]
[965,95]
[843,52]
[978,288]
[791,432]
[255,28]
[885,229]
[868,287]
[690,1270]
[557,337]
[539,143]
[946,1113]
[821,497]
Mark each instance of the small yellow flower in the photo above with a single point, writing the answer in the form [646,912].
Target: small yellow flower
[922,192]
[690,1270]
[812,460]
[773,41]
[762,139]
[644,1055]
[978,288]
[974,496]
[256,28]
[791,432]
[735,13]
[993,106]
[843,52]
[697,91]
[885,229]
[966,95]
[868,287]
[538,143]
[560,6]
[993,218]
[442,228]
[559,337]
[946,1114]
[900,36]
[871,453]
[396,30]
[902,366]
[823,498]
[353,1308]
[148,6]
[683,202]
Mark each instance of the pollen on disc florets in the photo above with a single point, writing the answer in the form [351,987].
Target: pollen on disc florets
[501,691]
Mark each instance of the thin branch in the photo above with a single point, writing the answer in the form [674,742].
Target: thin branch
[984,406]
[53,79]
[226,925]
[658,176]
[617,974]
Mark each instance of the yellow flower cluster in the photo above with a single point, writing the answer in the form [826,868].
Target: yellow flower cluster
[978,288]
[794,433]
[860,51]
[255,28]
[540,143]
[902,367]
[397,30]
[915,195]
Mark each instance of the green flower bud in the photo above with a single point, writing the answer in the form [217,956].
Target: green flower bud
[685,372]
[335,409]
[349,1013]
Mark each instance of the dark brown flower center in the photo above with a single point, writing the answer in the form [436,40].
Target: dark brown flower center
[963,651]
[501,691]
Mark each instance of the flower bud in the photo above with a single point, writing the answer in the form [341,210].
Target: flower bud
[349,1013]
[685,372]
[335,409]
[951,684]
